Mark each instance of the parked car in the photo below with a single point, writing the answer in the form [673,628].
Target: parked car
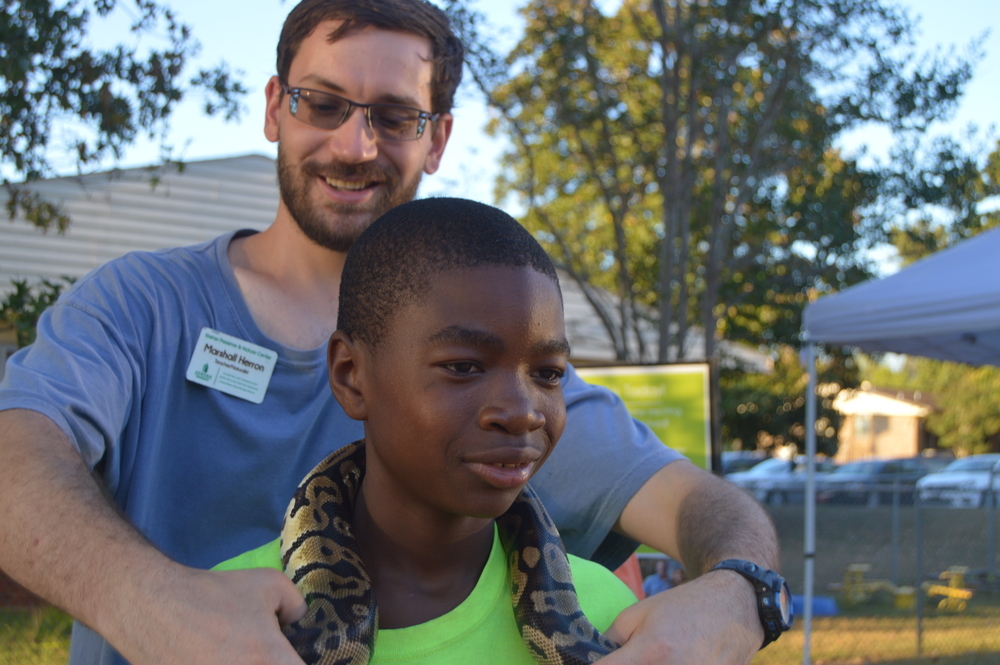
[778,481]
[872,481]
[734,461]
[962,483]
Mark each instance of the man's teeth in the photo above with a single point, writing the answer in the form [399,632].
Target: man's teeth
[344,184]
[508,466]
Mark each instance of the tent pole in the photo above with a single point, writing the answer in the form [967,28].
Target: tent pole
[809,549]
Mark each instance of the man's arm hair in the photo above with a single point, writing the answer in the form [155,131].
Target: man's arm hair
[718,521]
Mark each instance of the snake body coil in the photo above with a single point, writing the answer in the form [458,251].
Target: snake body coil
[319,553]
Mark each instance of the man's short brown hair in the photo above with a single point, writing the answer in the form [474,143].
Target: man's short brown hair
[416,17]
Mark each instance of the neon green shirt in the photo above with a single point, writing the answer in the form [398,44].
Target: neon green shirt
[482,627]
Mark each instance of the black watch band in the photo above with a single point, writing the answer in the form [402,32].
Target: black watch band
[774,601]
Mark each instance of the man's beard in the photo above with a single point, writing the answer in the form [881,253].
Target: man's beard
[336,226]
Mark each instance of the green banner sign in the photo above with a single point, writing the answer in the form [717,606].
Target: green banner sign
[672,400]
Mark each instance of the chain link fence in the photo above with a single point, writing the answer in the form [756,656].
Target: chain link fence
[897,580]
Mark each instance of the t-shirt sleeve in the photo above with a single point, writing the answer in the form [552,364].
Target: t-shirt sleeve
[82,369]
[601,461]
[602,595]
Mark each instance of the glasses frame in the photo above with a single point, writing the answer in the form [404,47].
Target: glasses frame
[293,105]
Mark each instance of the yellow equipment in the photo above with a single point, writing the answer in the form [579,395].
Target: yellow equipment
[955,595]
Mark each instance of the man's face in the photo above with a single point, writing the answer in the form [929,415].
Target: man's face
[463,394]
[334,183]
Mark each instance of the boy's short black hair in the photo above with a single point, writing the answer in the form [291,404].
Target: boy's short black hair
[391,263]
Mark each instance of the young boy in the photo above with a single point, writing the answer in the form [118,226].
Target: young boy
[450,348]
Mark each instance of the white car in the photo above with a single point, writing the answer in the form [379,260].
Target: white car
[778,481]
[963,483]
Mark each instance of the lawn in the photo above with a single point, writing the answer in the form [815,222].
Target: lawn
[34,637]
[878,634]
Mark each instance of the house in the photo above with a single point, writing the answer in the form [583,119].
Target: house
[882,423]
[124,210]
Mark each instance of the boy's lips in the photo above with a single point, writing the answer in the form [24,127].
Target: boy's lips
[507,468]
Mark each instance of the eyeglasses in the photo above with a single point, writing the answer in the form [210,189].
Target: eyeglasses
[325,110]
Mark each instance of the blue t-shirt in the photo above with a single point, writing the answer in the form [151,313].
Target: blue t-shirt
[206,476]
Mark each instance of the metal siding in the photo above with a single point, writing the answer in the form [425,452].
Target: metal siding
[121,211]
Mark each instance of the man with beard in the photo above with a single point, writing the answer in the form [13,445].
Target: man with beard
[192,384]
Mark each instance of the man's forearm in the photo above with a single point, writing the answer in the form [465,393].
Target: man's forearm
[718,521]
[700,520]
[59,535]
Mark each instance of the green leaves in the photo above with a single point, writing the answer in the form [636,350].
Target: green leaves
[683,155]
[22,307]
[54,83]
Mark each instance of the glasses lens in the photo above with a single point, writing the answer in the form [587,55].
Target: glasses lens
[321,110]
[396,123]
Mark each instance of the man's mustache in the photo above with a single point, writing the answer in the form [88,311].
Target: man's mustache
[366,171]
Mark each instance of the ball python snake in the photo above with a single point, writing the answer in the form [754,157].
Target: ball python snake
[319,554]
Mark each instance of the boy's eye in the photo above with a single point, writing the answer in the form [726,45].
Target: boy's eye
[551,375]
[462,368]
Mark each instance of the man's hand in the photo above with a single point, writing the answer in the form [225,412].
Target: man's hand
[63,539]
[212,618]
[710,620]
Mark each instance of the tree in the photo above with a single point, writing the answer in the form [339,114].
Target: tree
[682,155]
[967,399]
[949,187]
[22,307]
[50,77]
[767,411]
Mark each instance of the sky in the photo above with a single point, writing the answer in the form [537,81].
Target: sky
[245,34]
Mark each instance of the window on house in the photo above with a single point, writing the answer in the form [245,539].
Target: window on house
[862,425]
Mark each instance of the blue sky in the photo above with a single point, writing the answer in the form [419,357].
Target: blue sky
[245,34]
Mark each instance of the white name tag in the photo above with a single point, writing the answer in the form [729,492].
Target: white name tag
[231,365]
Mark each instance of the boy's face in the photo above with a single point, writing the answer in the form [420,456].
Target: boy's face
[462,398]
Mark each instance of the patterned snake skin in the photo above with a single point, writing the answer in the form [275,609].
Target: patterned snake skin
[318,552]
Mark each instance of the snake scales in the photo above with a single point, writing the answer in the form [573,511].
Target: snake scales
[318,552]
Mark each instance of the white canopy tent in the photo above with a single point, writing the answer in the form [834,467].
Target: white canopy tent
[946,306]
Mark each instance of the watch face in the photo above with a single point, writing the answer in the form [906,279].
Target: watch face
[785,605]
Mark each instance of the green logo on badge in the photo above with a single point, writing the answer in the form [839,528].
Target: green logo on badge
[203,374]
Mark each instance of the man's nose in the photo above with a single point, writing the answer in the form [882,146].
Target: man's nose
[354,141]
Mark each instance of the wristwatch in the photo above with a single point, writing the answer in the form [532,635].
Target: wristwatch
[774,601]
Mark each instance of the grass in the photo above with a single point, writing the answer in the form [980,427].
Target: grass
[34,637]
[877,633]
[887,637]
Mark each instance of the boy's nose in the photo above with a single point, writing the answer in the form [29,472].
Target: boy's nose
[512,410]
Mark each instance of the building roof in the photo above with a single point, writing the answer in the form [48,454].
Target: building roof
[869,400]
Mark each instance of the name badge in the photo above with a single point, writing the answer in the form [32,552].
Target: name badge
[231,365]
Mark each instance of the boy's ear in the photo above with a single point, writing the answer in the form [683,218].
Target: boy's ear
[343,357]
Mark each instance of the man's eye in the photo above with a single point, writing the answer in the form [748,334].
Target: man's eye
[325,107]
[394,119]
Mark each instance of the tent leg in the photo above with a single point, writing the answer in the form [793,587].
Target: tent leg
[809,548]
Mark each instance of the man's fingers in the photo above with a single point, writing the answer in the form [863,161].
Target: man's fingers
[624,625]
[291,604]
